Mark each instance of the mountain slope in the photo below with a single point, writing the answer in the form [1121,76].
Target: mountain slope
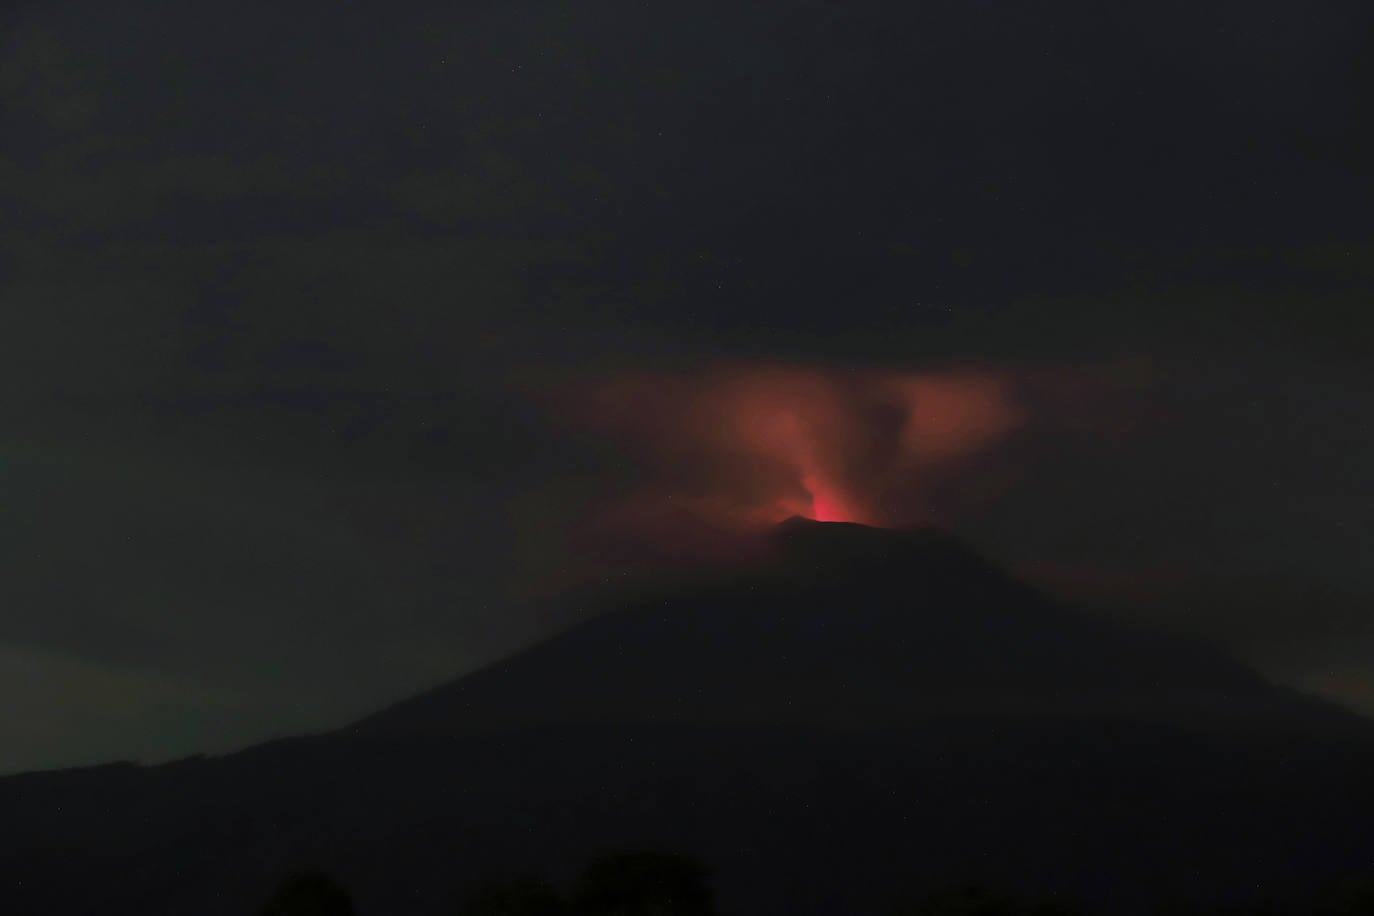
[856,627]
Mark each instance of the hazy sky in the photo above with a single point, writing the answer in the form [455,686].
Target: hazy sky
[335,334]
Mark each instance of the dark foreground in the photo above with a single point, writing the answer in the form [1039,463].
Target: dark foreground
[1126,819]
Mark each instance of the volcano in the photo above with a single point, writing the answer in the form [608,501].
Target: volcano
[853,626]
[868,713]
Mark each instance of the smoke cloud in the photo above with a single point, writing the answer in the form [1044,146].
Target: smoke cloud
[736,448]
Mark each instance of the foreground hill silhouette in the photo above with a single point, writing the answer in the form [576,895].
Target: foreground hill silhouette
[869,714]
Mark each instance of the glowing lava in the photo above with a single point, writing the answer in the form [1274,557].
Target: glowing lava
[825,506]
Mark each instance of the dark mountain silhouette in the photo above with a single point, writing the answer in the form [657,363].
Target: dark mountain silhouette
[870,714]
[856,627]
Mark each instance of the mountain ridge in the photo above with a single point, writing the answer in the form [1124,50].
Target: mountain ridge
[853,626]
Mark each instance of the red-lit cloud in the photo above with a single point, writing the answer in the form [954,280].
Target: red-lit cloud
[742,447]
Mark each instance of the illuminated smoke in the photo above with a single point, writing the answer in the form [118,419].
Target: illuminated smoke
[745,446]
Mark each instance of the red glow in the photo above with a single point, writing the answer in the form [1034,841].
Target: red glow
[743,446]
[825,507]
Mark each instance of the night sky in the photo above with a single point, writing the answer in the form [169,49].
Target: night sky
[346,343]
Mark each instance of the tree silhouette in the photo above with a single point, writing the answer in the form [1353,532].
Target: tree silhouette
[309,894]
[644,884]
[520,897]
